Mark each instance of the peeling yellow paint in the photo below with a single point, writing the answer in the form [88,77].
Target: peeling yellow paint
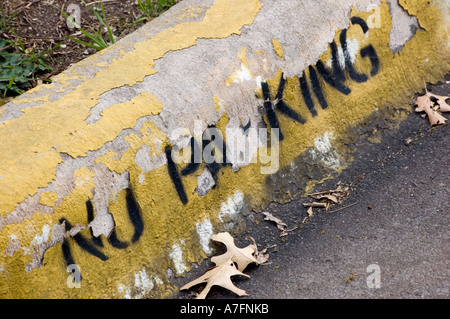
[64,119]
[21,100]
[278,48]
[190,12]
[244,73]
[48,199]
[151,136]
[218,103]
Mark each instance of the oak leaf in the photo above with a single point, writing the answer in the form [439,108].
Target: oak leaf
[241,256]
[218,276]
[262,257]
[280,224]
[433,105]
[229,264]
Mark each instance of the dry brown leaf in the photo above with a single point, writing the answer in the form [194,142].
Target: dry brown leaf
[262,257]
[232,263]
[310,212]
[433,105]
[335,195]
[440,99]
[241,256]
[218,276]
[280,224]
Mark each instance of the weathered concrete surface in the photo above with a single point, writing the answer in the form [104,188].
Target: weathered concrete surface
[87,177]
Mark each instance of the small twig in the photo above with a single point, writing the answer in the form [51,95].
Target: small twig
[22,6]
[315,204]
[7,47]
[339,209]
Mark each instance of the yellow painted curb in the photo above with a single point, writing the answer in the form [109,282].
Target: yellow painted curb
[92,202]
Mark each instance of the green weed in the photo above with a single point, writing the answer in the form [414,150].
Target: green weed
[98,42]
[20,66]
[153,8]
[5,21]
[149,8]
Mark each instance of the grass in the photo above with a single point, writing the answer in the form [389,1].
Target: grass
[19,66]
[149,9]
[153,8]
[98,42]
[5,21]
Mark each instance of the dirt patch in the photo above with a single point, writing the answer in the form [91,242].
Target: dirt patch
[39,25]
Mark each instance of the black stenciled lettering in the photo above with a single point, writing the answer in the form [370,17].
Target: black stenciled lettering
[280,106]
[369,51]
[317,88]
[271,116]
[334,76]
[217,147]
[246,127]
[307,95]
[116,242]
[81,241]
[67,253]
[175,177]
[212,145]
[134,213]
[89,244]
[194,163]
[361,23]
[354,75]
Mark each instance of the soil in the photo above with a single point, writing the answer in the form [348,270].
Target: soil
[39,25]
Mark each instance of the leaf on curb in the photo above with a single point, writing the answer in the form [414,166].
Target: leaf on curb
[433,105]
[241,256]
[218,276]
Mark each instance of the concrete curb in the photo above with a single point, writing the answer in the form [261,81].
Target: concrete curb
[93,192]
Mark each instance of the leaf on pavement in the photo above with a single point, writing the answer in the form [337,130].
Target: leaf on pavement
[218,276]
[280,224]
[262,257]
[241,256]
[232,263]
[433,105]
